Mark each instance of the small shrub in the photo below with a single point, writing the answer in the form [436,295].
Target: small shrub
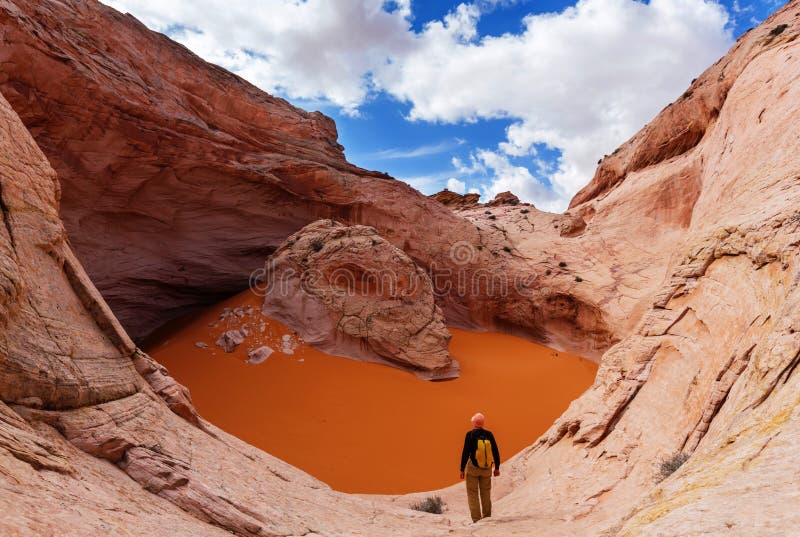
[431,504]
[670,464]
[507,249]
[562,264]
[492,217]
[316,245]
[524,211]
[578,279]
[548,272]
[487,212]
[778,30]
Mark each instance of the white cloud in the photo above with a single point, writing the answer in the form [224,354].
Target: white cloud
[580,81]
[459,187]
[474,167]
[428,183]
[314,49]
[421,151]
[517,179]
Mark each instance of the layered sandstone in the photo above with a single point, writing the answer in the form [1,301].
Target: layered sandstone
[95,437]
[708,370]
[348,291]
[456,200]
[180,178]
[504,198]
[688,257]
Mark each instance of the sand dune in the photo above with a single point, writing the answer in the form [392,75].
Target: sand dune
[364,427]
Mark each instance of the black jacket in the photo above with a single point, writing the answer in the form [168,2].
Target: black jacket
[471,445]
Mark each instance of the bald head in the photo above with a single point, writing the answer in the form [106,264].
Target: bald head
[478,420]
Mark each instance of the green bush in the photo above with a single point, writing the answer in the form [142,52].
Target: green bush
[670,464]
[431,504]
[562,264]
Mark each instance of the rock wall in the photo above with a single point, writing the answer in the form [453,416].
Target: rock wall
[95,438]
[708,371]
[689,258]
[179,178]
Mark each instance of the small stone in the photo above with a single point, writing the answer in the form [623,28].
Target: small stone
[259,355]
[231,339]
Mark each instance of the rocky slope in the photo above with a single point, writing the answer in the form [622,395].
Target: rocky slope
[95,437]
[708,369]
[689,256]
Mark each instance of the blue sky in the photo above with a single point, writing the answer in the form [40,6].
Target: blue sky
[487,95]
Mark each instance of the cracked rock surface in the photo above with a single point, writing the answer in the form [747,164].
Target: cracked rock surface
[348,291]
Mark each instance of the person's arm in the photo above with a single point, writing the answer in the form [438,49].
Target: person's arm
[465,453]
[495,453]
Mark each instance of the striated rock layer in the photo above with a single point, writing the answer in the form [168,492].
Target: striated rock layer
[180,178]
[687,260]
[348,291]
[709,368]
[95,437]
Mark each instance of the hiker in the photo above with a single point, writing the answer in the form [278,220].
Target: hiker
[479,454]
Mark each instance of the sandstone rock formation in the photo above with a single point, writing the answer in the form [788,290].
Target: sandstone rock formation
[504,198]
[175,159]
[348,291]
[95,438]
[453,199]
[689,259]
[709,367]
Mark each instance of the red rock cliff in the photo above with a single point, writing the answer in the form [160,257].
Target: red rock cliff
[179,178]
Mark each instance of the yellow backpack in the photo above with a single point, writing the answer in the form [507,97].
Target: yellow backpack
[483,455]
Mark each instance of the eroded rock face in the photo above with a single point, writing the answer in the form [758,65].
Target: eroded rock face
[95,437]
[504,198]
[689,257]
[176,159]
[456,200]
[348,291]
[710,367]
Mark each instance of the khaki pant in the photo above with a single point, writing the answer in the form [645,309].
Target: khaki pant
[479,482]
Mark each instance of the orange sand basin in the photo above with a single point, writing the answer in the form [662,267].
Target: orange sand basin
[364,427]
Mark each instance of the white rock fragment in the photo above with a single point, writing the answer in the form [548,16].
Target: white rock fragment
[259,355]
[287,345]
[231,339]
